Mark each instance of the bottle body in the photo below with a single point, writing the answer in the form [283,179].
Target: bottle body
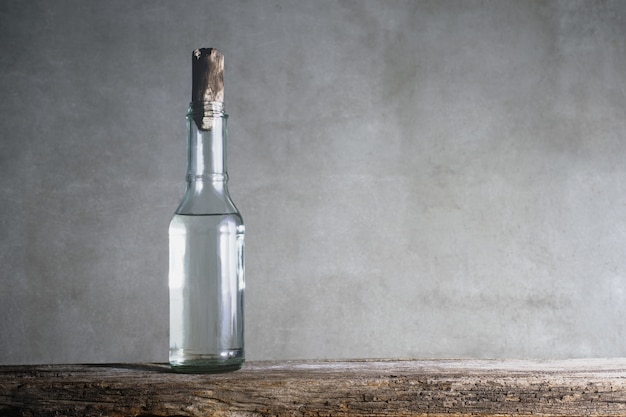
[206,285]
[206,260]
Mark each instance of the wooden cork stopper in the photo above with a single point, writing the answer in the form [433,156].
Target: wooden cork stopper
[207,75]
[207,68]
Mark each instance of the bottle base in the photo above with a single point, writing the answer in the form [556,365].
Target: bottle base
[193,363]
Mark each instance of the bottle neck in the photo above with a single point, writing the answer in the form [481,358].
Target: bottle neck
[207,191]
[206,147]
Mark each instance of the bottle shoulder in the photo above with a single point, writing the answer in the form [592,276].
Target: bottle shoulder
[194,207]
[207,201]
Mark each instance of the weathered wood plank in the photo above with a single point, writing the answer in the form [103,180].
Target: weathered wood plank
[322,388]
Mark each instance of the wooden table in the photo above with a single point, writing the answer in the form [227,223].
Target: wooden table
[591,387]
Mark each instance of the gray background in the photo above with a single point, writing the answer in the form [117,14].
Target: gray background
[418,179]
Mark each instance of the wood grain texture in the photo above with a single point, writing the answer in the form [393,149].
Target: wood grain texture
[207,73]
[322,388]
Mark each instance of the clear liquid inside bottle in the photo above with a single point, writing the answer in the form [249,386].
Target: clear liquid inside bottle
[206,280]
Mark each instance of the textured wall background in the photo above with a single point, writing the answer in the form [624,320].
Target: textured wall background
[423,179]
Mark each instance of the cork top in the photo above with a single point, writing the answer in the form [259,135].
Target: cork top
[207,75]
[207,87]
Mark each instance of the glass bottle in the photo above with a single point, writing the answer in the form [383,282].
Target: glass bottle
[206,254]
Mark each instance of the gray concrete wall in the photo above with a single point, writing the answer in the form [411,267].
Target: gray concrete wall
[418,178]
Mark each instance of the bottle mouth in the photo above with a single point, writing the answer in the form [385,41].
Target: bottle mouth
[203,113]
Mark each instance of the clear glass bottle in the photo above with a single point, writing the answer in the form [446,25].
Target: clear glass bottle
[206,264]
